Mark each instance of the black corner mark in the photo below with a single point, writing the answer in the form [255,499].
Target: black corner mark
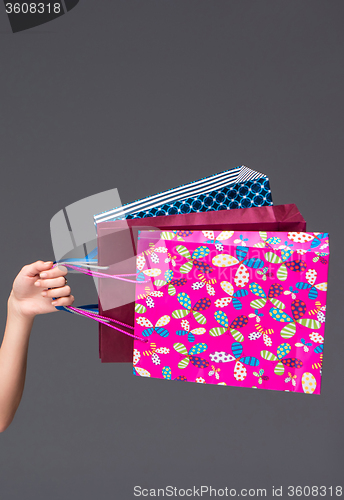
[26,14]
[70,4]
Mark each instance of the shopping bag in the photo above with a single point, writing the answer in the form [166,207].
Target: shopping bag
[233,308]
[239,187]
[117,249]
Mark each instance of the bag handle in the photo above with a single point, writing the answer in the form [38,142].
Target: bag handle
[91,311]
[98,274]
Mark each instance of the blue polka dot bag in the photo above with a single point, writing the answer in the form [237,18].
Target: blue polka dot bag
[239,187]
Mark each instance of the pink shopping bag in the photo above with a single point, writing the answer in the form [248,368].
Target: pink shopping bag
[232,308]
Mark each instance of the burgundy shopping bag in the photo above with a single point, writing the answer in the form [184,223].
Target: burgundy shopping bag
[117,242]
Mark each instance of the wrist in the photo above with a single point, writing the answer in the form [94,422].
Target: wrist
[16,311]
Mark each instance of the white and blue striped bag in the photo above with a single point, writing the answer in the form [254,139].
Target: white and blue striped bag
[239,187]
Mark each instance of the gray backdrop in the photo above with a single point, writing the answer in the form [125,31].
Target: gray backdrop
[143,96]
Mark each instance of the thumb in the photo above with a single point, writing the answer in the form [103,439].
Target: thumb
[37,267]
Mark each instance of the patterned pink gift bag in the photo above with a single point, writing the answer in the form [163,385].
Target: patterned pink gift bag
[232,308]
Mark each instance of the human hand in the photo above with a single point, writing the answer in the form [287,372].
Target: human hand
[30,295]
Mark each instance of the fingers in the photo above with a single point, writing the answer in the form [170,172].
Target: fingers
[36,267]
[51,280]
[51,283]
[55,272]
[63,291]
[63,301]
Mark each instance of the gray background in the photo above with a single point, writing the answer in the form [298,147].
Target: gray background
[143,96]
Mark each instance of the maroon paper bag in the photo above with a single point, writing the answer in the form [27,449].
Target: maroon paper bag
[117,249]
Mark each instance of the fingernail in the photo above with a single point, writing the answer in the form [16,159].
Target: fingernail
[43,275]
[44,294]
[37,283]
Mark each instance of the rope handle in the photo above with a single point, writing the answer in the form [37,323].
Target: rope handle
[97,274]
[105,320]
